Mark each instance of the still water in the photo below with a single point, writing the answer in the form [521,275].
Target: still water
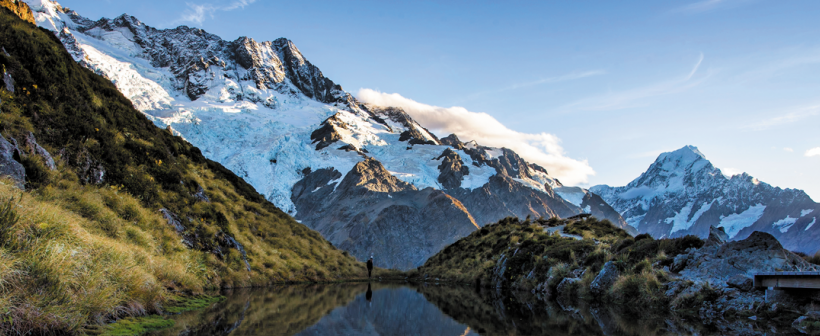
[422,309]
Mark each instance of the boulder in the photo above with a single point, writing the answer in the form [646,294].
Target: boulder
[9,166]
[717,236]
[36,149]
[564,287]
[679,262]
[605,279]
[741,282]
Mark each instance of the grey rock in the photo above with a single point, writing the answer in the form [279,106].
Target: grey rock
[200,195]
[563,288]
[717,236]
[801,322]
[679,263]
[35,148]
[9,166]
[577,273]
[760,252]
[605,279]
[741,282]
[8,80]
[328,133]
[452,141]
[452,169]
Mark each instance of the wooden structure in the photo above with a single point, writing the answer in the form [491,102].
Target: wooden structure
[787,280]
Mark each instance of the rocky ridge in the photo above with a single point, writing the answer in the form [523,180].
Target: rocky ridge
[683,193]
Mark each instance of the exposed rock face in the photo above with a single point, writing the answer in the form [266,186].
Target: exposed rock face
[8,165]
[452,141]
[328,133]
[20,8]
[371,212]
[760,252]
[605,279]
[683,193]
[8,81]
[452,169]
[35,148]
[717,236]
[741,282]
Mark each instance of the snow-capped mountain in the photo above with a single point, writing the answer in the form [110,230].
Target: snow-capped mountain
[370,179]
[683,193]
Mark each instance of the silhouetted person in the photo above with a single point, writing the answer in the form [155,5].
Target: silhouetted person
[369,294]
[369,267]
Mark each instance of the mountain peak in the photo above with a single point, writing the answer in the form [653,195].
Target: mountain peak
[687,153]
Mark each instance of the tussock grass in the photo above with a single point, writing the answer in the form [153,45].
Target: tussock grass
[529,257]
[75,253]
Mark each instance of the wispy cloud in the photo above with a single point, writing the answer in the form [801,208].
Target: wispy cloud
[707,5]
[786,118]
[198,13]
[556,79]
[790,150]
[541,148]
[634,97]
[813,152]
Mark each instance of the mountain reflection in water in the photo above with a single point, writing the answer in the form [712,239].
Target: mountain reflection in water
[405,309]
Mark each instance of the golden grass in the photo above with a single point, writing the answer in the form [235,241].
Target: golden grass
[79,255]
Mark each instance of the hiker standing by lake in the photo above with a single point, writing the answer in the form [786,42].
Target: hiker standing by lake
[369,266]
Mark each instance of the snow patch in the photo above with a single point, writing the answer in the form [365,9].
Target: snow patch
[811,224]
[736,222]
[635,220]
[784,224]
[574,195]
[803,213]
[681,220]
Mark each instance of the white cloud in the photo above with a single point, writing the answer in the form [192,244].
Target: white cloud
[790,150]
[729,172]
[813,152]
[543,149]
[197,13]
[634,97]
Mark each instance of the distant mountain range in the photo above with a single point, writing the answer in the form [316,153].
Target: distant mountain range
[683,193]
[370,179]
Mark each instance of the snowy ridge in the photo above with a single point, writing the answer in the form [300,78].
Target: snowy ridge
[683,193]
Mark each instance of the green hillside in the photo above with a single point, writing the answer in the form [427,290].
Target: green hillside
[86,243]
[522,255]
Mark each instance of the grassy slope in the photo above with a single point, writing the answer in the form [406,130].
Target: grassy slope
[82,253]
[535,257]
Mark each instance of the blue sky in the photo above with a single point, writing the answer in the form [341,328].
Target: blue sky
[609,84]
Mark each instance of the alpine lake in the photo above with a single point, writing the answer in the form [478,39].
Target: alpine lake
[398,308]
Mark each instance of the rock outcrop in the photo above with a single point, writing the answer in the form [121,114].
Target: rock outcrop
[605,279]
[452,169]
[760,252]
[20,8]
[9,166]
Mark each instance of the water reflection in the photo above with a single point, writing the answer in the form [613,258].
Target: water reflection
[425,309]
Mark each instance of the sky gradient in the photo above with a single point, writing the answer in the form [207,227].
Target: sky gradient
[611,84]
